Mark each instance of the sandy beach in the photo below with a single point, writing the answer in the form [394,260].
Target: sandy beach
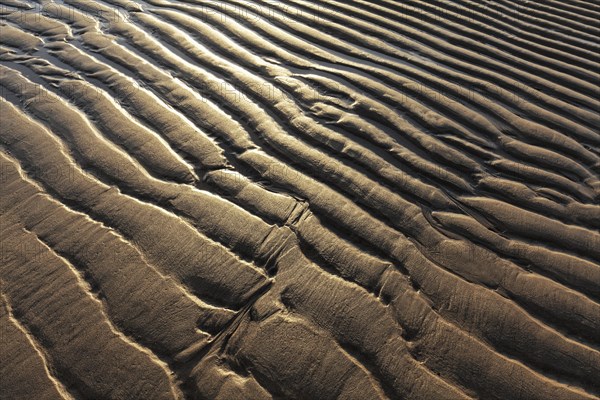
[288,199]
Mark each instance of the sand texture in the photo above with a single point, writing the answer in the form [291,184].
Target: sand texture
[294,199]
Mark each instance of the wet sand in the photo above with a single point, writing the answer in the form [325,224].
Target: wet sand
[299,200]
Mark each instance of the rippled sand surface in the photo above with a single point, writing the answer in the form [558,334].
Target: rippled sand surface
[300,199]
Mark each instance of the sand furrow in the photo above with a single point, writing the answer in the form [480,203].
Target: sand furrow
[126,293]
[585,6]
[189,263]
[558,36]
[25,370]
[532,131]
[348,265]
[510,95]
[536,12]
[524,61]
[575,47]
[592,8]
[70,324]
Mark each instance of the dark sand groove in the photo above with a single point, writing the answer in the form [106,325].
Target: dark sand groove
[251,199]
